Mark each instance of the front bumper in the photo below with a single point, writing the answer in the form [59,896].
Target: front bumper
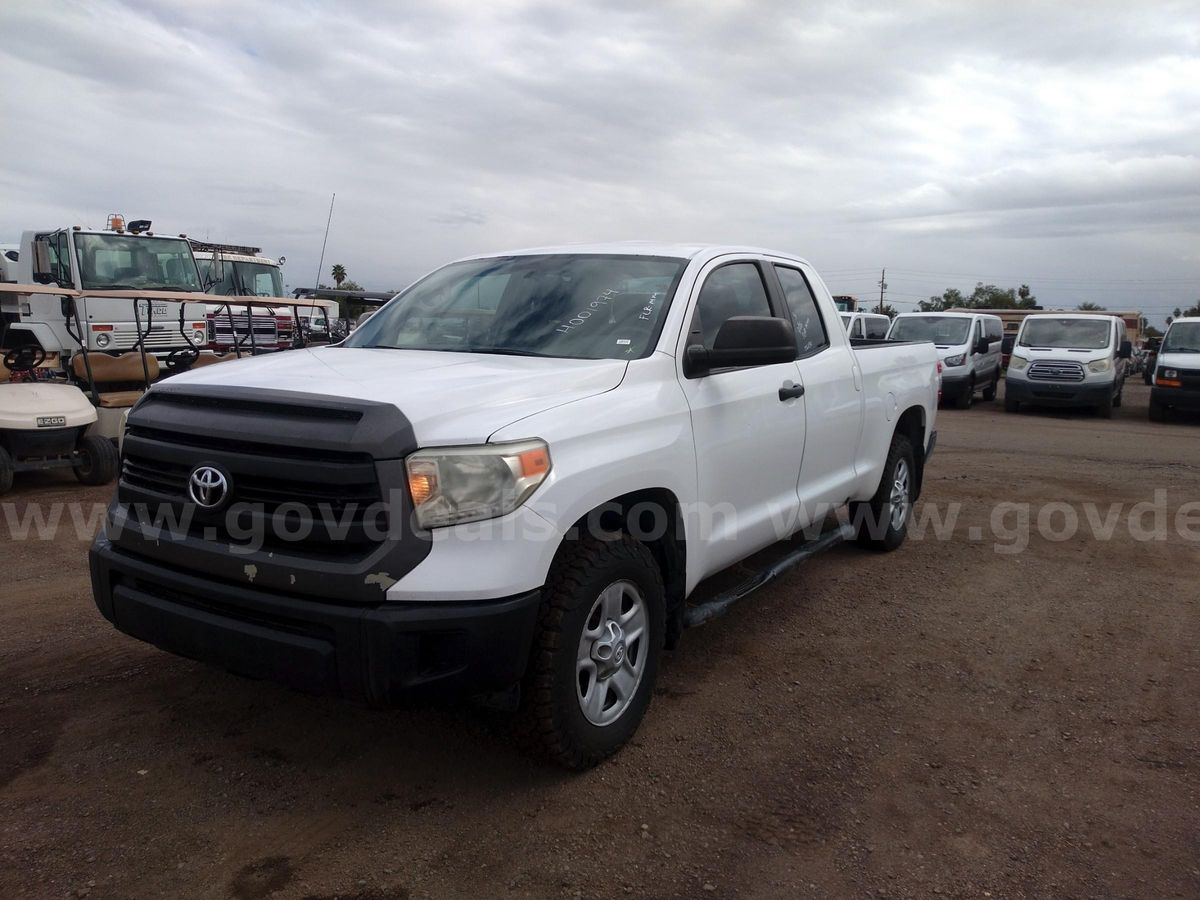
[1050,393]
[378,655]
[1176,398]
[955,387]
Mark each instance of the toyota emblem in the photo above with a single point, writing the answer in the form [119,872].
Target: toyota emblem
[208,486]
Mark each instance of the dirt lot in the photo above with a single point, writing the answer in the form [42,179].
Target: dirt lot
[950,718]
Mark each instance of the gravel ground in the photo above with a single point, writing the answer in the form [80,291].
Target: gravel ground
[952,718]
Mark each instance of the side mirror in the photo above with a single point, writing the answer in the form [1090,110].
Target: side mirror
[41,262]
[1126,350]
[741,342]
[981,345]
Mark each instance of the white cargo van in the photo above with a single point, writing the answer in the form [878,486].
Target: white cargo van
[968,345]
[1072,359]
[866,326]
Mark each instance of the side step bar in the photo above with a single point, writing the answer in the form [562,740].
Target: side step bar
[720,604]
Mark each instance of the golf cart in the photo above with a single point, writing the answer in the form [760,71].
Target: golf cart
[43,425]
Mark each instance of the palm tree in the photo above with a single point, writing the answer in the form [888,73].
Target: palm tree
[339,274]
[1089,306]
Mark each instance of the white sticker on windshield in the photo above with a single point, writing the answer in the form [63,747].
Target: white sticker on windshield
[622,341]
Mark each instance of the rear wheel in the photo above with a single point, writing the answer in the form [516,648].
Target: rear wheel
[882,522]
[98,460]
[595,657]
[6,471]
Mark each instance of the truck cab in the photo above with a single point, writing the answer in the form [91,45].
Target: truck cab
[113,258]
[231,270]
[1068,360]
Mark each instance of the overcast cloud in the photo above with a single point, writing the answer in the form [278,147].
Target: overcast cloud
[1057,144]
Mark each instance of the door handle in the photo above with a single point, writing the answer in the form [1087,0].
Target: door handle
[791,391]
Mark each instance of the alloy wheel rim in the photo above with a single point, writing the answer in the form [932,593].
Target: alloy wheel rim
[899,499]
[611,658]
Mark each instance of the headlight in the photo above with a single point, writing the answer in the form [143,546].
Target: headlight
[956,360]
[103,339]
[1169,373]
[199,337]
[1100,365]
[450,485]
[1017,362]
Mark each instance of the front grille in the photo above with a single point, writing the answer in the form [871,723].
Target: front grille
[1056,371]
[264,328]
[161,337]
[286,496]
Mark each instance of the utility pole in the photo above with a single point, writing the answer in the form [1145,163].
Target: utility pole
[882,287]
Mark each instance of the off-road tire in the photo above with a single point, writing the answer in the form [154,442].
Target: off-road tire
[6,471]
[550,722]
[98,460]
[872,518]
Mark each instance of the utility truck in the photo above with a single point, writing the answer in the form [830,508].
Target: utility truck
[93,261]
[512,479]
[236,270]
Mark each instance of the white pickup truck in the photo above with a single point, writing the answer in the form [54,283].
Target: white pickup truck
[511,480]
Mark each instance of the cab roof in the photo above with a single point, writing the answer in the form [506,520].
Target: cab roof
[642,248]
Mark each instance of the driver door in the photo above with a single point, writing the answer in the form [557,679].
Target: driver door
[749,439]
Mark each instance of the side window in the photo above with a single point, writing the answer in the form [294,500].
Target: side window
[995,329]
[858,332]
[733,290]
[806,319]
[974,336]
[60,256]
[877,328]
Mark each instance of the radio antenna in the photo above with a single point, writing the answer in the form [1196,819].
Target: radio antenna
[321,262]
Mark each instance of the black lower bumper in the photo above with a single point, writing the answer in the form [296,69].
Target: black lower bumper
[1176,398]
[378,655]
[1048,393]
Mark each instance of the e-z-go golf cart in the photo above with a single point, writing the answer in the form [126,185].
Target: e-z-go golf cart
[43,425]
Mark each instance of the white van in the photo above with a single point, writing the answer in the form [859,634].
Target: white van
[1176,376]
[866,326]
[1068,359]
[969,347]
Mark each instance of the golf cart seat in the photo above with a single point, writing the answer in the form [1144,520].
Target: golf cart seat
[120,380]
[209,359]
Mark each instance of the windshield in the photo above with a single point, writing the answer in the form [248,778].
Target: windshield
[1182,337]
[242,279]
[564,305]
[147,263]
[1064,334]
[945,331]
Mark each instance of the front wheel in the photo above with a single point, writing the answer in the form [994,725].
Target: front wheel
[989,393]
[595,657]
[1105,409]
[965,401]
[1158,412]
[98,460]
[6,471]
[881,523]
[1011,404]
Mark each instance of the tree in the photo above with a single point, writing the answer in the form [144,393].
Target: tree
[985,296]
[890,311]
[339,274]
[1089,306]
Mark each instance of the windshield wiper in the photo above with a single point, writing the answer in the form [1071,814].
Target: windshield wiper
[506,351]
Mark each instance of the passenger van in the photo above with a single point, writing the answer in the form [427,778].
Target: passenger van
[1072,359]
[1176,378]
[969,347]
[866,326]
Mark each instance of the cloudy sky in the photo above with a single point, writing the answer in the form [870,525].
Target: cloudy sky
[1051,143]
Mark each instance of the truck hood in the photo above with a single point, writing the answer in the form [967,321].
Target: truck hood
[450,398]
[1178,361]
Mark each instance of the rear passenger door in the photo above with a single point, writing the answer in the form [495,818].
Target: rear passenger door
[749,438]
[833,401]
